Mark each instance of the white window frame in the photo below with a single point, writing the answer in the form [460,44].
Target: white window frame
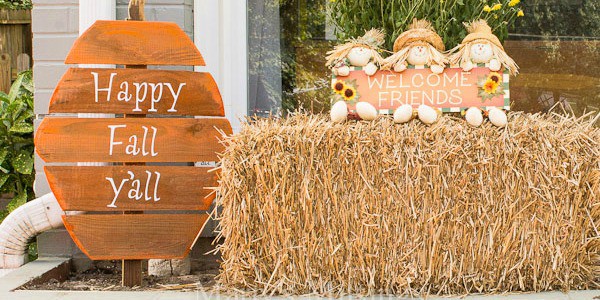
[220,35]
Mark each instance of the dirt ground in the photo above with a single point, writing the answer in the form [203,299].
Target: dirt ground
[106,276]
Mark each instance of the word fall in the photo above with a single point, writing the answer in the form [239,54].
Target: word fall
[132,147]
[135,190]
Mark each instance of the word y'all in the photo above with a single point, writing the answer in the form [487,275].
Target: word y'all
[136,192]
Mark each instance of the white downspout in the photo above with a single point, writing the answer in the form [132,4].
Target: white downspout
[24,224]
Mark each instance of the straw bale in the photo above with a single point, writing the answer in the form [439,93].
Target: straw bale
[313,207]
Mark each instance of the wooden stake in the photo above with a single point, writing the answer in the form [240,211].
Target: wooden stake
[5,72]
[132,269]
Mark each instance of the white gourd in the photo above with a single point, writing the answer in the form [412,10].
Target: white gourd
[474,116]
[427,114]
[403,114]
[339,112]
[366,111]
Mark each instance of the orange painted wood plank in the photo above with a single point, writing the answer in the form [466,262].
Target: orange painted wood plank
[137,91]
[147,236]
[130,139]
[134,43]
[129,188]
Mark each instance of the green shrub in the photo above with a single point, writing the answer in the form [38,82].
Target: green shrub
[16,4]
[16,142]
[352,17]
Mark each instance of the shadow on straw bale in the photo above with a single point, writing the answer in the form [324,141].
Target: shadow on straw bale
[309,206]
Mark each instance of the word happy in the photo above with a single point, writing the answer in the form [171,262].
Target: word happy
[136,192]
[143,91]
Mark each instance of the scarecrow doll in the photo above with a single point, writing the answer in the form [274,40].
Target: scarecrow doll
[481,46]
[420,45]
[358,52]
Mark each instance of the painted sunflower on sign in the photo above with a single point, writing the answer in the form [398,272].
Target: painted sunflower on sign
[490,86]
[345,90]
[338,87]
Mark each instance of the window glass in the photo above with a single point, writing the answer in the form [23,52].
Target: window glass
[556,44]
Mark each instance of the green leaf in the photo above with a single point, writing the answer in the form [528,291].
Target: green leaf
[23,162]
[15,88]
[3,154]
[4,97]
[22,128]
[3,179]
[17,201]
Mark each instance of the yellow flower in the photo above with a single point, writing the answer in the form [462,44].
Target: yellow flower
[497,6]
[495,77]
[487,8]
[520,13]
[490,87]
[513,2]
[349,93]
[338,87]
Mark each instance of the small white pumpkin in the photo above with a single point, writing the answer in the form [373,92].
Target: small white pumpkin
[366,111]
[474,116]
[497,117]
[495,65]
[359,56]
[437,69]
[339,112]
[403,114]
[370,69]
[468,66]
[343,71]
[399,67]
[427,114]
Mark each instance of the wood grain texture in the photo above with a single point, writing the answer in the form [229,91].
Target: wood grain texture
[147,236]
[134,43]
[87,188]
[76,92]
[89,140]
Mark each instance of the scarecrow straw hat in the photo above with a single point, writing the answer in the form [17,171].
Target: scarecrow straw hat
[480,30]
[419,31]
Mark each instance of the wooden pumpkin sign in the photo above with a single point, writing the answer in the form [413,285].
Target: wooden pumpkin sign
[176,195]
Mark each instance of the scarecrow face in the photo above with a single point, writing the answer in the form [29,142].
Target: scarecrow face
[418,55]
[481,52]
[359,56]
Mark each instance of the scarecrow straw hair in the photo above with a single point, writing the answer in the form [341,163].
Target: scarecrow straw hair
[419,30]
[435,57]
[372,40]
[313,207]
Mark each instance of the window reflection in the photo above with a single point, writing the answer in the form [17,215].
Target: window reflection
[556,45]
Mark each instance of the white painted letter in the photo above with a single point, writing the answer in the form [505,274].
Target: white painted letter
[117,191]
[154,98]
[107,90]
[138,99]
[175,95]
[112,137]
